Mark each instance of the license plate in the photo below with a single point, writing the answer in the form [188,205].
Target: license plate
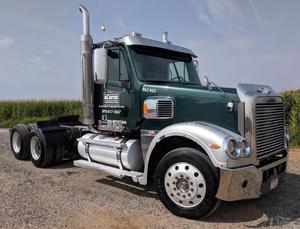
[274,183]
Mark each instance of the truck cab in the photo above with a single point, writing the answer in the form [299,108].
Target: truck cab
[147,116]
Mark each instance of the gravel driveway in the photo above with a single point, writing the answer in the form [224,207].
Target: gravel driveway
[66,196]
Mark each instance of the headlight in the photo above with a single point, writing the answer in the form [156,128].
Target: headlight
[233,149]
[236,150]
[244,148]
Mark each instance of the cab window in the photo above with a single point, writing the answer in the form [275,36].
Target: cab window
[116,66]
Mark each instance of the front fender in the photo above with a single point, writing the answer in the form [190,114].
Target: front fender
[204,134]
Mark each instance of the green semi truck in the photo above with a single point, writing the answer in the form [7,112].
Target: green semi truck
[147,116]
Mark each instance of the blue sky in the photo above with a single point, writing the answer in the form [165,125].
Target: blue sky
[254,41]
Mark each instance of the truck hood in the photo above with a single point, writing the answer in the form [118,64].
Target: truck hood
[194,103]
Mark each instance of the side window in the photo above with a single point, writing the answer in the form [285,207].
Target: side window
[172,72]
[123,68]
[117,69]
[178,72]
[113,64]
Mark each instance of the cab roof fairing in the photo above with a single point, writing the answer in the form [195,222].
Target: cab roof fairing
[138,40]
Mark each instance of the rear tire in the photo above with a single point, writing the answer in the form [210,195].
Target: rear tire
[19,141]
[187,183]
[41,155]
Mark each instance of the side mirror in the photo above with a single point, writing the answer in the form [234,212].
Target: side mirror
[100,65]
[207,83]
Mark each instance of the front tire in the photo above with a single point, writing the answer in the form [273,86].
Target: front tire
[41,155]
[187,183]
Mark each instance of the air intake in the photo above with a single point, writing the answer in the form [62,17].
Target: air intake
[164,108]
[160,108]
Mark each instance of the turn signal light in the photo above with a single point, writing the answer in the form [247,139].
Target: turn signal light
[145,109]
[215,146]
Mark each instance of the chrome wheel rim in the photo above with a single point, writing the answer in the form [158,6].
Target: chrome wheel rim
[35,148]
[16,142]
[185,185]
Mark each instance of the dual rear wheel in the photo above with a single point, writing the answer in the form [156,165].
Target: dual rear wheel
[29,142]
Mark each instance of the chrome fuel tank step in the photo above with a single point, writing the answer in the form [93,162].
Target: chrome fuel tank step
[115,172]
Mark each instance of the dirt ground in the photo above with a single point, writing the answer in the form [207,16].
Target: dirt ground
[70,197]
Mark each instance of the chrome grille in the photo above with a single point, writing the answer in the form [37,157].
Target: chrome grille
[165,108]
[269,128]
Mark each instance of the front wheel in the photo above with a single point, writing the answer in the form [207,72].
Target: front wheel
[187,183]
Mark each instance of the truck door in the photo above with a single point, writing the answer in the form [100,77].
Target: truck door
[114,113]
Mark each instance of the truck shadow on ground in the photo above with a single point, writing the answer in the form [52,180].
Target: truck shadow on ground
[63,165]
[277,208]
[129,186]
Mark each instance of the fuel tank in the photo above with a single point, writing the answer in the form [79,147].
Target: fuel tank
[107,150]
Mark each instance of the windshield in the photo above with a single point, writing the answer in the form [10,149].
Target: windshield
[156,64]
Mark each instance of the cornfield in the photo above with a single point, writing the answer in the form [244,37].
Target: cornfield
[28,111]
[292,112]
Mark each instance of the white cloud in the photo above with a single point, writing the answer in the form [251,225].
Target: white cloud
[202,16]
[6,42]
[258,17]
[221,10]
[219,15]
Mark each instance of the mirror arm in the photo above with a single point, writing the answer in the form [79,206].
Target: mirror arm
[229,103]
[221,90]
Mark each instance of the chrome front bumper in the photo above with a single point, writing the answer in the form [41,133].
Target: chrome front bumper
[249,182]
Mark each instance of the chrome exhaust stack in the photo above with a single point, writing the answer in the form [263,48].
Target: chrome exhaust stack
[86,55]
